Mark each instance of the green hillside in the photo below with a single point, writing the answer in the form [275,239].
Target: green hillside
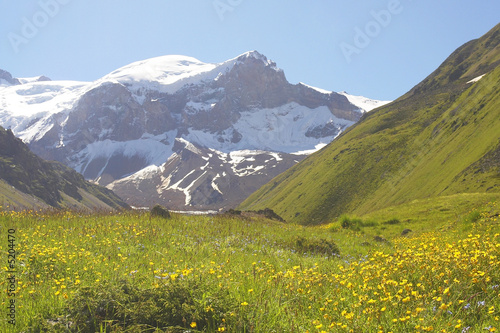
[27,181]
[441,138]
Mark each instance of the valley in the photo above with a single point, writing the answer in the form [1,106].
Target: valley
[324,211]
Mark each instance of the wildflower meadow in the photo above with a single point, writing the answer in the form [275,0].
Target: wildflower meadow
[130,272]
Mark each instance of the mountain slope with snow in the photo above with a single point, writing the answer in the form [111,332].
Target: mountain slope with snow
[130,128]
[364,103]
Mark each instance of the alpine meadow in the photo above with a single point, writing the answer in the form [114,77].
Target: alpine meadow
[393,226]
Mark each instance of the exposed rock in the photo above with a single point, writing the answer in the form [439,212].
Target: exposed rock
[380,239]
[7,77]
[405,232]
[159,211]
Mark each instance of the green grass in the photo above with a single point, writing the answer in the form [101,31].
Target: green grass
[134,273]
[429,214]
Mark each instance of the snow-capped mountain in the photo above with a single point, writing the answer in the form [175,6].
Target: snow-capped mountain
[176,131]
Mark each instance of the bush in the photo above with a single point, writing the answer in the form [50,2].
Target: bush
[270,214]
[316,246]
[233,212]
[350,223]
[159,211]
[392,221]
[406,232]
[380,239]
[171,307]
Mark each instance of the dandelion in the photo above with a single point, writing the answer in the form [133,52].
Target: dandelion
[193,324]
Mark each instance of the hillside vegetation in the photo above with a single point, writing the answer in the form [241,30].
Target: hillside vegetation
[441,138]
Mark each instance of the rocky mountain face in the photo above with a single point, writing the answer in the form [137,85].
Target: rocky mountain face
[35,183]
[7,79]
[176,131]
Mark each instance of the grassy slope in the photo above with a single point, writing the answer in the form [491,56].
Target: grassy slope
[440,138]
[39,183]
[426,215]
[10,198]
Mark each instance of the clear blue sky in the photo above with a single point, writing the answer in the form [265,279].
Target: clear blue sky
[316,42]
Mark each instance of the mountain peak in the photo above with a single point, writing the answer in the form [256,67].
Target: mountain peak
[254,55]
[165,70]
[169,73]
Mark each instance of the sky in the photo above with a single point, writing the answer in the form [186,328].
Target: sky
[375,48]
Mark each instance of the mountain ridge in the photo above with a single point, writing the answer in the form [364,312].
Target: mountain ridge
[129,123]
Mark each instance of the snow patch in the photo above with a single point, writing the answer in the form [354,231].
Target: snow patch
[364,103]
[280,129]
[476,79]
[323,91]
[189,146]
[214,184]
[151,149]
[236,158]
[186,190]
[26,80]
[27,109]
[310,151]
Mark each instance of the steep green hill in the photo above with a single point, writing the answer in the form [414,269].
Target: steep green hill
[27,181]
[441,138]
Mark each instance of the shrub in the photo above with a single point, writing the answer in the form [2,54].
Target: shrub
[233,212]
[124,307]
[270,214]
[405,232]
[350,223]
[380,239]
[159,211]
[392,221]
[316,246]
